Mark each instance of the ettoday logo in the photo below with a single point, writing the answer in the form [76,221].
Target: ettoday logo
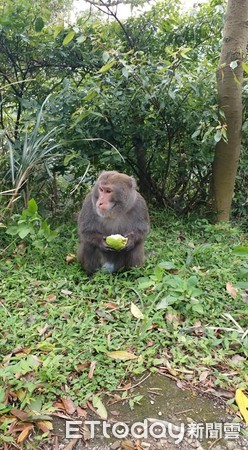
[152,428]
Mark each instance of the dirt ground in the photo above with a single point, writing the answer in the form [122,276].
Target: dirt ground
[168,418]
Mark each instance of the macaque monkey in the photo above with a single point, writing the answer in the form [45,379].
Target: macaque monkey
[113,206]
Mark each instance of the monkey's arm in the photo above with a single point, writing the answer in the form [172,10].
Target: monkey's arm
[134,238]
[97,240]
[140,224]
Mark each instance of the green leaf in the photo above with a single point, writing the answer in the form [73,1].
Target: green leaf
[12,230]
[167,265]
[124,72]
[240,251]
[107,66]
[196,133]
[32,206]
[7,438]
[105,56]
[100,408]
[92,93]
[145,283]
[245,67]
[197,307]
[166,301]
[24,230]
[39,24]
[242,285]
[68,38]
[58,30]
[218,136]
[81,39]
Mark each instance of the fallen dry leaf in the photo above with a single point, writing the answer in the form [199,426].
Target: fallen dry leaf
[232,291]
[55,442]
[127,445]
[86,432]
[122,354]
[71,445]
[70,258]
[44,425]
[136,312]
[68,405]
[66,292]
[111,305]
[92,368]
[24,434]
[173,318]
[80,367]
[20,414]
[51,297]
[237,359]
[204,375]
[42,330]
[81,412]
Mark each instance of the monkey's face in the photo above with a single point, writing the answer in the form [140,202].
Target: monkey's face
[105,201]
[114,194]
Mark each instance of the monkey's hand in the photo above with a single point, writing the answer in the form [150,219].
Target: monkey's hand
[131,241]
[105,247]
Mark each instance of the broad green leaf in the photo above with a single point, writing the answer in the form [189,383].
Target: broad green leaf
[166,301]
[100,408]
[92,93]
[24,230]
[7,438]
[124,72]
[32,206]
[58,30]
[39,24]
[107,66]
[218,136]
[197,307]
[105,56]
[245,67]
[146,283]
[12,230]
[68,38]
[158,273]
[45,346]
[81,39]
[196,133]
[240,251]
[167,265]
[68,158]
[242,285]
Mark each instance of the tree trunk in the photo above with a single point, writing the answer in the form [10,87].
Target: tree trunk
[229,86]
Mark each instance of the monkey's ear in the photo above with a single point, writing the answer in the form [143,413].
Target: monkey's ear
[134,183]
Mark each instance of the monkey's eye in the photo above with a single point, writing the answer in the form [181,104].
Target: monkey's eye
[100,189]
[108,191]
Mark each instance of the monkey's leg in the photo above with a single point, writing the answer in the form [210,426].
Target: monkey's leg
[90,258]
[135,257]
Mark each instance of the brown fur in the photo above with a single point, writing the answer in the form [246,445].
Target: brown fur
[112,207]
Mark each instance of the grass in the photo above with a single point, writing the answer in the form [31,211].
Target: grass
[56,324]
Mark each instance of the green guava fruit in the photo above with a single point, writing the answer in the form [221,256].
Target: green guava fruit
[116,241]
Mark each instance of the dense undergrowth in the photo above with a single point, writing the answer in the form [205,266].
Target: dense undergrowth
[190,321]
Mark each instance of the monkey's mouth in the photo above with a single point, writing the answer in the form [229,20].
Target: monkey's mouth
[106,212]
